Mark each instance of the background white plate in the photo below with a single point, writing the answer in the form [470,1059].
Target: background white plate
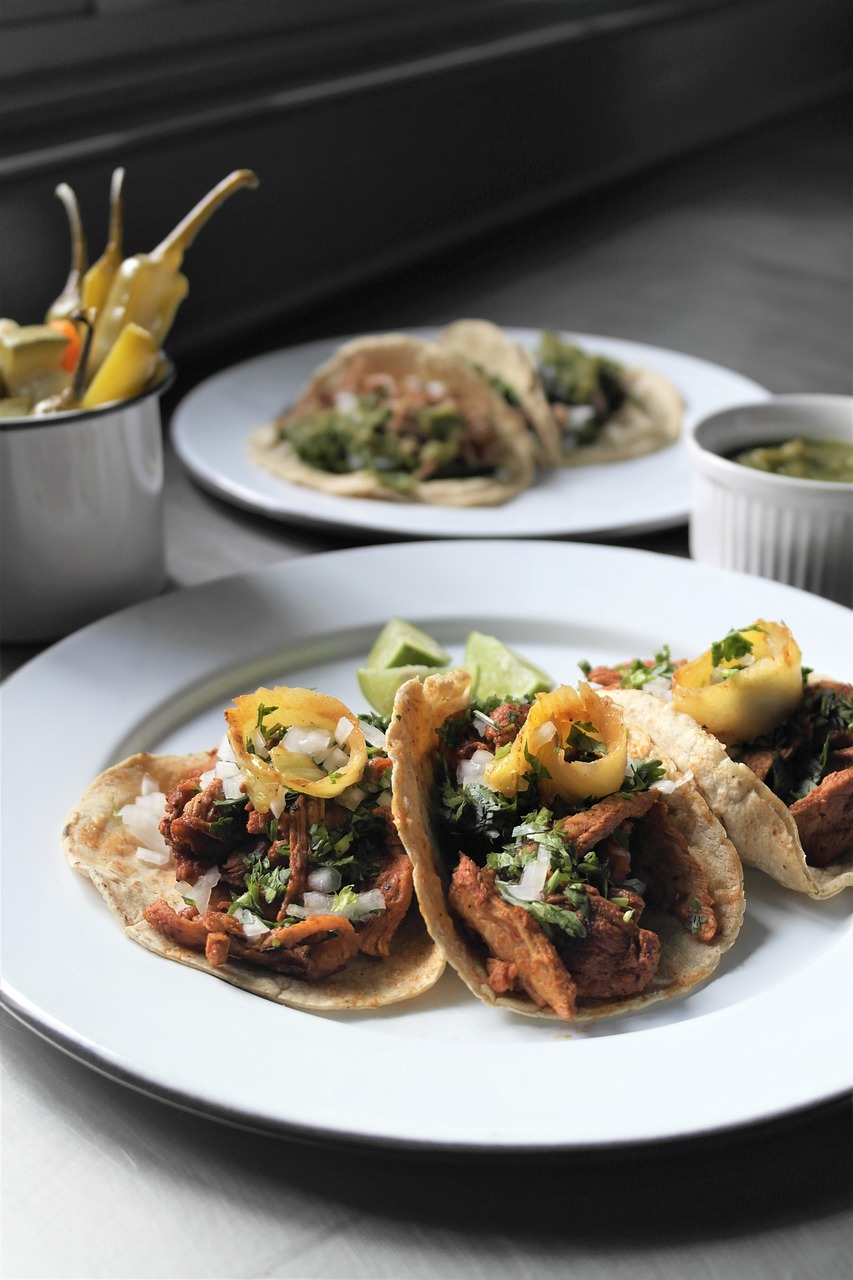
[769,1034]
[211,426]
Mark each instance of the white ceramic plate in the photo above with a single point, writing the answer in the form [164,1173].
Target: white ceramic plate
[769,1034]
[211,427]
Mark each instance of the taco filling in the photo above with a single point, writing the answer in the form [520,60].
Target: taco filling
[400,419]
[285,850]
[791,729]
[559,854]
[273,861]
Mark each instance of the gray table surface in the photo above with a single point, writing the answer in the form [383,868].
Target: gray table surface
[740,255]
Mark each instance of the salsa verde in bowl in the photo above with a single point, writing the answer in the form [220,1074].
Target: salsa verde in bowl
[792,528]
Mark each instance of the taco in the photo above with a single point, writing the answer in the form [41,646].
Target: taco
[582,408]
[261,866]
[769,743]
[400,419]
[565,871]
[513,373]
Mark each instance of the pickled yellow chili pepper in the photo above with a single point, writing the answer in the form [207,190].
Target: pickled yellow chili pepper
[257,726]
[69,299]
[545,747]
[148,288]
[745,685]
[97,281]
[127,370]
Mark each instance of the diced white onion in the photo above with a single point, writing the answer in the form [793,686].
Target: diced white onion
[384,800]
[152,858]
[375,737]
[666,786]
[148,786]
[321,904]
[334,759]
[346,401]
[473,769]
[660,687]
[541,734]
[232,786]
[533,878]
[435,389]
[343,729]
[351,798]
[259,744]
[225,751]
[143,822]
[324,880]
[252,926]
[206,778]
[307,740]
[199,893]
[278,802]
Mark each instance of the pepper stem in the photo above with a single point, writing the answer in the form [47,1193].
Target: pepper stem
[179,240]
[69,299]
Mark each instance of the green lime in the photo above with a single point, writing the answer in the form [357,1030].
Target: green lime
[402,644]
[379,684]
[497,671]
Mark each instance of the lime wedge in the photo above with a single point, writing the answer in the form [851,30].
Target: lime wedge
[379,684]
[402,644]
[497,671]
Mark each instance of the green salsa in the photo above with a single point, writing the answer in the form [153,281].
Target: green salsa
[806,459]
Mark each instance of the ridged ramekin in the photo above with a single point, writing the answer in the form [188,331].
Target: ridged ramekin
[781,527]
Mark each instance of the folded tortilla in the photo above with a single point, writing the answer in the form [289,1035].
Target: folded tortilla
[514,370]
[511,456]
[758,823]
[650,418]
[100,846]
[420,711]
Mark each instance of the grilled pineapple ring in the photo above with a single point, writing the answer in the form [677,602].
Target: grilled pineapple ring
[744,686]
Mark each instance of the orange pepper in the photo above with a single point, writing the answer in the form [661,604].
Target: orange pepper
[71,354]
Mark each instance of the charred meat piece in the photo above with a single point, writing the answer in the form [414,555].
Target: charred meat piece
[587,828]
[675,882]
[824,818]
[616,958]
[396,883]
[512,935]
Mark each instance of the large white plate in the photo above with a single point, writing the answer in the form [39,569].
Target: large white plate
[212,424]
[769,1034]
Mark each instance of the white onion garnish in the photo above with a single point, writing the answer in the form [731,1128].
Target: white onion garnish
[199,893]
[148,786]
[472,770]
[206,778]
[541,734]
[375,737]
[346,401]
[153,859]
[343,729]
[533,878]
[324,880]
[142,819]
[334,759]
[307,740]
[666,786]
[384,800]
[252,926]
[322,904]
[278,802]
[225,751]
[351,798]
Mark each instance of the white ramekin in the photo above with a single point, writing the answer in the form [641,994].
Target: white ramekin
[781,527]
[81,515]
